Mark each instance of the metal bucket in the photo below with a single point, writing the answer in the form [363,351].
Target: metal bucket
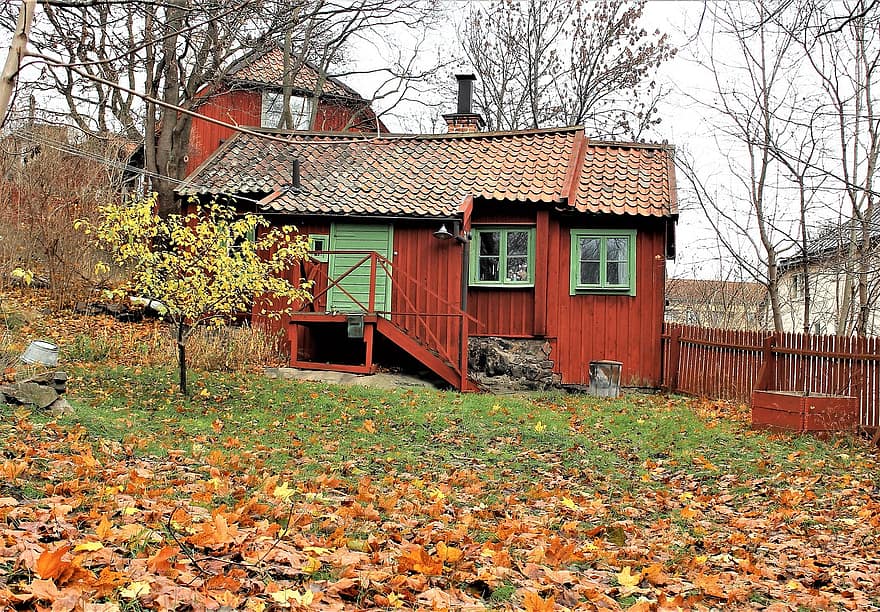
[605,378]
[43,353]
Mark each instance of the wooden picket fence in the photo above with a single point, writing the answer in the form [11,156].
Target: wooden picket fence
[729,364]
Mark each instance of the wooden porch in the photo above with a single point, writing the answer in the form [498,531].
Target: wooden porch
[367,298]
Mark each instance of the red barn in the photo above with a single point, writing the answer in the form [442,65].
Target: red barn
[513,256]
[252,96]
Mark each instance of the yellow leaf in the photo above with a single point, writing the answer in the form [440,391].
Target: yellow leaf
[288,595]
[569,504]
[395,600]
[88,546]
[540,427]
[317,550]
[311,566]
[627,578]
[793,585]
[135,590]
[129,511]
[283,492]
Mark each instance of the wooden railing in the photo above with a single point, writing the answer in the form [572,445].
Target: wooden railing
[730,364]
[416,309]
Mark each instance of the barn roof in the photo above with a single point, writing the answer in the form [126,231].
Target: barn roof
[431,175]
[267,68]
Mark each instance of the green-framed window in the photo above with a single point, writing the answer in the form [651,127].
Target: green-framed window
[319,242]
[502,256]
[603,261]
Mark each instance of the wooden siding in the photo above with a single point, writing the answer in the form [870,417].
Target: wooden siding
[591,327]
[579,328]
[240,107]
[428,265]
[502,312]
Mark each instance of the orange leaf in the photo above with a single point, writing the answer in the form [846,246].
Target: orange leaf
[449,554]
[533,602]
[50,565]
[418,560]
[104,528]
[160,562]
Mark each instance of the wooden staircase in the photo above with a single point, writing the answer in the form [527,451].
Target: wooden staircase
[429,358]
[438,340]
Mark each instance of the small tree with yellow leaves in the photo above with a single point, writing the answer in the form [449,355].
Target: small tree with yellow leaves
[205,266]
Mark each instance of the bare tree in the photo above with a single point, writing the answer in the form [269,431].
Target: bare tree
[142,68]
[565,62]
[846,61]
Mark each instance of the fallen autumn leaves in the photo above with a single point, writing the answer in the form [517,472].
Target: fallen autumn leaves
[88,526]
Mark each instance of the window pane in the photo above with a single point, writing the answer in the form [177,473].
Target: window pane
[617,273]
[617,249]
[300,111]
[517,243]
[489,269]
[589,248]
[518,269]
[589,273]
[490,243]
[271,109]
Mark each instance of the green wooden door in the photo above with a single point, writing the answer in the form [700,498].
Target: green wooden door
[357,237]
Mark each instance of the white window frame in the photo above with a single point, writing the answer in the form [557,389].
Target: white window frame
[271,109]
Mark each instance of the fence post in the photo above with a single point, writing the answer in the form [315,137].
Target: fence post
[673,356]
[767,374]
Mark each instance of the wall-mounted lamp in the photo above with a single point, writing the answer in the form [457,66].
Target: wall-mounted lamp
[445,234]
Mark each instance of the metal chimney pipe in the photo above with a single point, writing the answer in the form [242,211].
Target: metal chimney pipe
[295,177]
[465,93]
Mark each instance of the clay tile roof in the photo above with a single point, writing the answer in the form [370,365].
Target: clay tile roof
[430,176]
[625,178]
[268,69]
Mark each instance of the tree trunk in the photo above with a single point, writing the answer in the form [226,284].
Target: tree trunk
[181,355]
[17,50]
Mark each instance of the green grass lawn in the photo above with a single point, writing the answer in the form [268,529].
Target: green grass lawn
[304,429]
[363,498]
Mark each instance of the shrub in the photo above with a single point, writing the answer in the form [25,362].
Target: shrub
[228,348]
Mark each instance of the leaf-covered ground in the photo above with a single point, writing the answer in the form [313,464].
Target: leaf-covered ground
[261,495]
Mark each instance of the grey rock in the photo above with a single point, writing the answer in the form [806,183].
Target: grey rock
[30,393]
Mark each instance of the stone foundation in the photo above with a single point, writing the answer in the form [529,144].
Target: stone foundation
[511,364]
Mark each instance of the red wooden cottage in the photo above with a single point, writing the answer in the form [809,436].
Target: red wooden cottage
[252,96]
[535,251]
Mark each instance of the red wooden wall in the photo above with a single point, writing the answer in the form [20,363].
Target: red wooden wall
[617,327]
[242,107]
[580,328]
[239,107]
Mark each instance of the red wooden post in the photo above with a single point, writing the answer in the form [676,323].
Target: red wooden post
[368,339]
[463,354]
[767,374]
[372,301]
[293,337]
[542,250]
[673,355]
